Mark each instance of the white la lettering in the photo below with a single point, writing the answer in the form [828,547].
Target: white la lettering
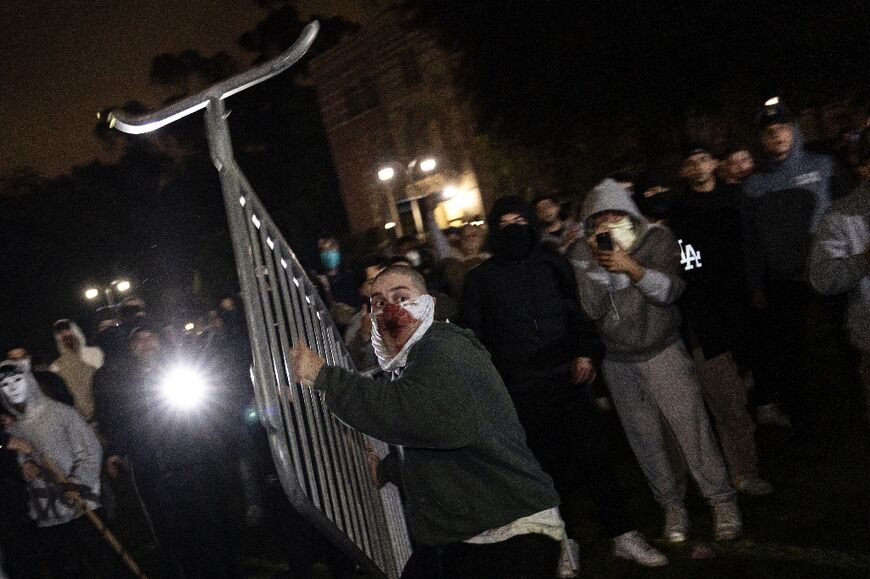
[688,256]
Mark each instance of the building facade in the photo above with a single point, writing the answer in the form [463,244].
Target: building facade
[389,99]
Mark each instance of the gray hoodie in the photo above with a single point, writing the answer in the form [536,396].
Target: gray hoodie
[636,320]
[59,434]
[837,264]
[783,203]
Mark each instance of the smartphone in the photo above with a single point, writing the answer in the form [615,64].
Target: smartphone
[604,241]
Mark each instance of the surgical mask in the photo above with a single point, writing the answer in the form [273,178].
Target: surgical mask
[421,309]
[330,258]
[623,233]
[414,257]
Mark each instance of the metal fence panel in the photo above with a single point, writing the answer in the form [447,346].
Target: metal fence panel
[322,463]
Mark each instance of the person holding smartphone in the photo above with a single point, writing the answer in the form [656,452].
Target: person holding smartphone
[628,276]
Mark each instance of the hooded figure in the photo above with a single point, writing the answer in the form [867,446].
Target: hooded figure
[76,364]
[58,434]
[630,291]
[630,329]
[784,200]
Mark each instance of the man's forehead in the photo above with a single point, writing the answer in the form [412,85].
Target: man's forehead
[392,281]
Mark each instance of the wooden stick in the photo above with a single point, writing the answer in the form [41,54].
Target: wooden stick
[95,520]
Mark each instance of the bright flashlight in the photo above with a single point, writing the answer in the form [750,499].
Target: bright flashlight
[183,388]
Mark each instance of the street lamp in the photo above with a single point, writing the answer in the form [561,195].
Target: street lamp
[119,285]
[387,174]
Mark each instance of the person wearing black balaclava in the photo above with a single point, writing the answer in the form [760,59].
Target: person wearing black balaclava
[522,304]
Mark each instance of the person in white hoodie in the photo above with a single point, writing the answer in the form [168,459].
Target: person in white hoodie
[60,440]
[76,365]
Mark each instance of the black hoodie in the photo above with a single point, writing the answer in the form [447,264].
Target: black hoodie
[522,304]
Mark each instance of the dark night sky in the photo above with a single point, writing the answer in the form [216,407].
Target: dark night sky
[61,62]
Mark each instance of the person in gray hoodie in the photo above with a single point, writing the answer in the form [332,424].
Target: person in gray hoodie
[839,261]
[783,203]
[61,440]
[630,291]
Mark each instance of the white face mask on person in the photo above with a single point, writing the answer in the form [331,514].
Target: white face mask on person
[15,384]
[623,233]
[393,318]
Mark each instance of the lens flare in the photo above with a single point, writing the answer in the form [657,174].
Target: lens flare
[184,388]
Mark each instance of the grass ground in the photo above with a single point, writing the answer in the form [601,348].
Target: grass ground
[815,525]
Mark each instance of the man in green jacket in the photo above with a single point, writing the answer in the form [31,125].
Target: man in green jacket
[477,502]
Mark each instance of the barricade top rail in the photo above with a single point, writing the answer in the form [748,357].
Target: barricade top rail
[145,123]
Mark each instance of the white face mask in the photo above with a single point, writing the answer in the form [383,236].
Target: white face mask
[623,233]
[15,388]
[421,308]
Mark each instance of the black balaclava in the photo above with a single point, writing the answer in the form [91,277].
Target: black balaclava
[514,241]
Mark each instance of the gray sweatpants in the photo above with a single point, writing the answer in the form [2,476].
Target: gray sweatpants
[666,386]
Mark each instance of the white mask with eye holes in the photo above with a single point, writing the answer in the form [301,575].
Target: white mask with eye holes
[15,384]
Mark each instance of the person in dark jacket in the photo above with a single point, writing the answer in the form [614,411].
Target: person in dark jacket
[522,304]
[783,203]
[477,501]
[705,217]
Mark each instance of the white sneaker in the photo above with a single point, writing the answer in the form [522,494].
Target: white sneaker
[727,523]
[676,523]
[772,415]
[633,546]
[753,485]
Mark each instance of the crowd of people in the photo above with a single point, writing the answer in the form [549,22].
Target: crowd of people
[489,355]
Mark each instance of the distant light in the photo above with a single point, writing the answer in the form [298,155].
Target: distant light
[184,388]
[771,102]
[123,285]
[386,174]
[99,115]
[189,326]
[389,225]
[92,293]
[477,223]
[427,165]
[449,192]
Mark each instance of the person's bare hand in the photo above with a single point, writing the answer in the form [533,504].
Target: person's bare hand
[373,462]
[72,493]
[114,465]
[29,470]
[582,370]
[19,445]
[618,261]
[305,364]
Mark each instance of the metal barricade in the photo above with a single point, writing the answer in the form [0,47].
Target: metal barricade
[323,464]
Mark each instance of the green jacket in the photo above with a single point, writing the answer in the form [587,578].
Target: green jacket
[466,467]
